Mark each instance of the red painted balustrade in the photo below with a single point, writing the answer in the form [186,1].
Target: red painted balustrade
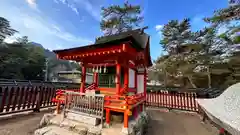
[173,100]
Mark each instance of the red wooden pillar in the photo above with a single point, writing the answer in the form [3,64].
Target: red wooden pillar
[108,116]
[125,119]
[83,79]
[126,77]
[118,73]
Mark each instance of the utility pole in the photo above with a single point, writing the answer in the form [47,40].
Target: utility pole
[46,70]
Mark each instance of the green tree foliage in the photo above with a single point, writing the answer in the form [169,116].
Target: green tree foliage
[194,59]
[175,34]
[116,19]
[225,15]
[21,60]
[5,29]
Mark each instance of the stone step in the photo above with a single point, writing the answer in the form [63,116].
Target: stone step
[54,130]
[108,92]
[75,126]
[68,127]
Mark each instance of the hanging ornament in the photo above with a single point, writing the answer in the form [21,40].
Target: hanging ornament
[97,70]
[100,69]
[105,69]
[93,70]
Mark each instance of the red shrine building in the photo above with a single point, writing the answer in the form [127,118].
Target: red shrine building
[119,64]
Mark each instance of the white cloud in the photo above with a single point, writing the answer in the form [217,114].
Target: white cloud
[12,38]
[39,28]
[68,4]
[158,27]
[32,3]
[94,11]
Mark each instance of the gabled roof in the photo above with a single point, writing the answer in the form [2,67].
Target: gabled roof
[139,40]
[137,37]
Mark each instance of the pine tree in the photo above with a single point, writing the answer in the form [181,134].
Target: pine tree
[175,34]
[5,29]
[225,15]
[117,19]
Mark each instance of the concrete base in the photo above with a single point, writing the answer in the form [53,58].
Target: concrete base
[106,125]
[83,119]
[125,131]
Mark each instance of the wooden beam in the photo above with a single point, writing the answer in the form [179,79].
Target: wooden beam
[91,52]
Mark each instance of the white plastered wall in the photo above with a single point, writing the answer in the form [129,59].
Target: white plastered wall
[140,83]
[89,79]
[131,78]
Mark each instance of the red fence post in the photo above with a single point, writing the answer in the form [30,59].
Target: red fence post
[30,93]
[9,101]
[39,98]
[4,95]
[34,97]
[21,95]
[194,102]
[16,97]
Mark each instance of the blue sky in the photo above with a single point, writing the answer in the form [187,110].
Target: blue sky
[58,24]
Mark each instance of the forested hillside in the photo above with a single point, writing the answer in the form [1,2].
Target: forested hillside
[27,60]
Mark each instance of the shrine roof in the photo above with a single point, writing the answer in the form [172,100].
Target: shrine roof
[137,37]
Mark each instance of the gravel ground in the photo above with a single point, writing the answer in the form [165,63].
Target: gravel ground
[178,123]
[24,125]
[163,123]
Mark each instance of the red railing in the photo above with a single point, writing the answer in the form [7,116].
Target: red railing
[23,98]
[178,100]
[124,90]
[91,87]
[124,102]
[60,95]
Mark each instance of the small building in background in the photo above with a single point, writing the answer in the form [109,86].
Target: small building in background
[73,76]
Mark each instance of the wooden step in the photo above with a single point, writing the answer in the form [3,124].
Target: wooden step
[108,92]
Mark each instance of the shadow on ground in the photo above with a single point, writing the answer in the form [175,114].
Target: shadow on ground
[178,123]
[23,125]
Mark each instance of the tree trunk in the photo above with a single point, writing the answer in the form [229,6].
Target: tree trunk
[191,82]
[165,78]
[209,78]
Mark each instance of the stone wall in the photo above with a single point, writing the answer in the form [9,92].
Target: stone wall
[141,125]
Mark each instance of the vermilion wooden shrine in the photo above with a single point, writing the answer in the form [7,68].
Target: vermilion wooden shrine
[119,65]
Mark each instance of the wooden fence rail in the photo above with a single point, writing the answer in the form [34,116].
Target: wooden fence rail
[177,100]
[23,98]
[19,96]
